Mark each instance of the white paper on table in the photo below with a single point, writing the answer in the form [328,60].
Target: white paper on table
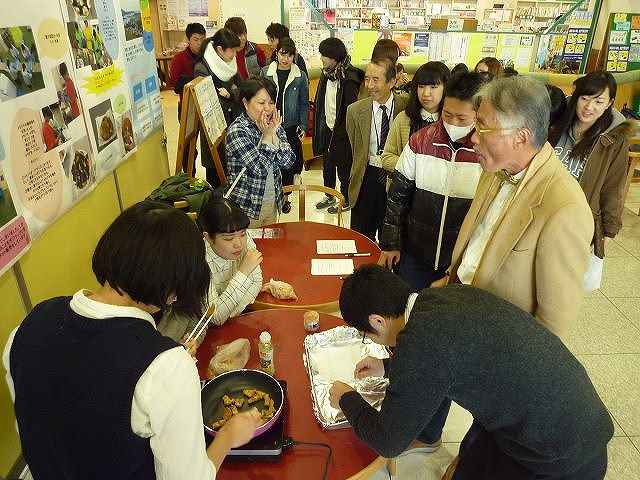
[332,247]
[332,266]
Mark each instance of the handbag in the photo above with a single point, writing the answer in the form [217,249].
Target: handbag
[593,275]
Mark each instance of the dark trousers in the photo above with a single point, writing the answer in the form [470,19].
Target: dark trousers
[332,163]
[417,273]
[367,215]
[480,458]
[296,146]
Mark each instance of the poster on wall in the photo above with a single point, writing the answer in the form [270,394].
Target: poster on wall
[93,35]
[623,49]
[66,108]
[140,67]
[47,163]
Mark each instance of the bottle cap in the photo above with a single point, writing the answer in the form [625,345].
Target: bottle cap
[265,337]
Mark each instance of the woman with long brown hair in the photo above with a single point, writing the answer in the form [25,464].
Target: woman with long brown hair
[592,141]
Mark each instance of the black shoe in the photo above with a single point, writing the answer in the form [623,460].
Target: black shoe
[286,206]
[334,208]
[327,202]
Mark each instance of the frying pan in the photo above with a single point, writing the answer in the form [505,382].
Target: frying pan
[232,383]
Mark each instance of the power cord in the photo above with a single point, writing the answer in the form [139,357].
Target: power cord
[290,443]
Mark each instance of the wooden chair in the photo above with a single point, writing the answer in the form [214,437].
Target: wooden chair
[302,189]
[182,205]
[634,162]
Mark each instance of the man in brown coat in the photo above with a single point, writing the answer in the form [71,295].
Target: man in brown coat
[368,123]
[528,232]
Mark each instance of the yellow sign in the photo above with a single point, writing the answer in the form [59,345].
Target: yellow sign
[100,81]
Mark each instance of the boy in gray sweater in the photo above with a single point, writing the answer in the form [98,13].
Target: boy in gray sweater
[536,413]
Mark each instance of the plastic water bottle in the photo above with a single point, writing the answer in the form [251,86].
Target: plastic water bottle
[265,349]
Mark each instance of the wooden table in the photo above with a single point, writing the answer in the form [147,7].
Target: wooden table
[352,459]
[288,258]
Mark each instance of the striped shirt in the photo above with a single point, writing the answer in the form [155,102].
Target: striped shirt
[230,290]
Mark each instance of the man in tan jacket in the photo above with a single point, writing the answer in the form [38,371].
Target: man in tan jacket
[368,123]
[527,235]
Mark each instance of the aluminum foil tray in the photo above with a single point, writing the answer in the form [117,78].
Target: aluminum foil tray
[332,355]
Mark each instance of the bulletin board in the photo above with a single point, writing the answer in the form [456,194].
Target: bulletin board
[78,93]
[623,42]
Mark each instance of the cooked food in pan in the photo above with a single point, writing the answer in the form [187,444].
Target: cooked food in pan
[232,406]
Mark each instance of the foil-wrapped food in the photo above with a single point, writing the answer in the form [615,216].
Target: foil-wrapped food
[332,355]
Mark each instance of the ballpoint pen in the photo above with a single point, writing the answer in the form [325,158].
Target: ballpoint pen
[357,254]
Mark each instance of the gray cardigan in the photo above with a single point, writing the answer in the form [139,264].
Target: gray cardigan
[516,378]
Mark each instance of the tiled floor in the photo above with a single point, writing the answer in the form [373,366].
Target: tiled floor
[606,337]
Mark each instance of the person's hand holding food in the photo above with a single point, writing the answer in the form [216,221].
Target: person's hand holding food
[240,428]
[251,260]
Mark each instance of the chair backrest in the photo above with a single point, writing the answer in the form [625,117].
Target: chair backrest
[303,188]
[184,205]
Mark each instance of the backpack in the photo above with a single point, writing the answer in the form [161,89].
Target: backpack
[194,191]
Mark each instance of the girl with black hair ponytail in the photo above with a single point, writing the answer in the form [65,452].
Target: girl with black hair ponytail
[592,140]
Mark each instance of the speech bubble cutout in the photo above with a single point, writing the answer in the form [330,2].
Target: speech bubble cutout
[108,27]
[52,39]
[119,104]
[147,41]
[37,175]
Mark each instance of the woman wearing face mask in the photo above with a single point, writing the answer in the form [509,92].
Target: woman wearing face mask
[432,188]
[234,265]
[292,102]
[425,102]
[592,140]
[257,150]
[218,61]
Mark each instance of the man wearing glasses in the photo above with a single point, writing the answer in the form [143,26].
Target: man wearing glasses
[527,235]
[536,413]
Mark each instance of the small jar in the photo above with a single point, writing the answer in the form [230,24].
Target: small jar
[311,321]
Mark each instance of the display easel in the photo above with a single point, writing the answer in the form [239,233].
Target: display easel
[200,113]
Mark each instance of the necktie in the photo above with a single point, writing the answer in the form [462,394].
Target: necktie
[384,128]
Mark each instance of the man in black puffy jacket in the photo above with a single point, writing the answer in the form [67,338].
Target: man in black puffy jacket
[433,186]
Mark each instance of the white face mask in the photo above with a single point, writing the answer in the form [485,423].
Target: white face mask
[455,132]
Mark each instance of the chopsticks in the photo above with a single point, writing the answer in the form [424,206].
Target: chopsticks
[200,326]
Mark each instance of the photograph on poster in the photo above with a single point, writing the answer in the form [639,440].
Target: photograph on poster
[53,126]
[83,169]
[87,45]
[20,71]
[103,124]
[132,18]
[198,8]
[66,91]
[125,125]
[404,40]
[7,208]
[81,9]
